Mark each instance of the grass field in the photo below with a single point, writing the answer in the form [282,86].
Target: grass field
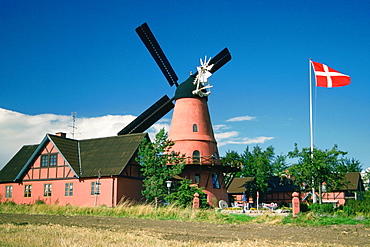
[104,227]
[57,235]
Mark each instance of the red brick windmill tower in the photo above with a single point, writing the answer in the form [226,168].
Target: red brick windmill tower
[191,130]
[191,127]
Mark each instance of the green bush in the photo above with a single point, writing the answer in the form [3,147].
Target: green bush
[10,203]
[326,208]
[39,202]
[358,206]
[348,210]
[303,207]
[183,194]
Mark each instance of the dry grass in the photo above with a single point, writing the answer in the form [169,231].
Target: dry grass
[124,209]
[269,218]
[57,235]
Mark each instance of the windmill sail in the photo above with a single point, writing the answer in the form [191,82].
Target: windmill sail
[164,105]
[220,60]
[157,53]
[149,117]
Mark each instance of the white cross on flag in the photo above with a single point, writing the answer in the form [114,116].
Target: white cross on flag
[328,77]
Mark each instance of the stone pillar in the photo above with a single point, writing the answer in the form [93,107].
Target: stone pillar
[196,201]
[295,203]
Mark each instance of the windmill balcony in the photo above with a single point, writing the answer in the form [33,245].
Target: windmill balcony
[208,161]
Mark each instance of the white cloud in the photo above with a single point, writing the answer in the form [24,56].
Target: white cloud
[226,135]
[232,137]
[218,127]
[246,140]
[241,118]
[17,129]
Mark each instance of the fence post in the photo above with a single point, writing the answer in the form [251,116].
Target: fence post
[196,201]
[295,203]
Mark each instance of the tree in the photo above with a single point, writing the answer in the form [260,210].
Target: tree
[318,167]
[366,179]
[184,192]
[231,159]
[261,165]
[158,165]
[352,165]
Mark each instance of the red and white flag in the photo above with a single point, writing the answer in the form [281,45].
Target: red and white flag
[328,77]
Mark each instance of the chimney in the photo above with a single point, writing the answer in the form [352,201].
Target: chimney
[61,134]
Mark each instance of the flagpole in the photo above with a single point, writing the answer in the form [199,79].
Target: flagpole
[311,129]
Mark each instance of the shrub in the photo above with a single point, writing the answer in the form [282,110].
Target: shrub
[358,206]
[303,207]
[321,208]
[184,193]
[39,202]
[348,210]
[9,203]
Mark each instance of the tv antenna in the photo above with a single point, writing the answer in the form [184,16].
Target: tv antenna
[73,126]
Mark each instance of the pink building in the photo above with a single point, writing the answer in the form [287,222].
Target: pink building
[90,172]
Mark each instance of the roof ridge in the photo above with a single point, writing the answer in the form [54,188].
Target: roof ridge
[64,138]
[118,136]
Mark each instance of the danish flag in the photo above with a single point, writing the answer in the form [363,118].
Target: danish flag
[328,77]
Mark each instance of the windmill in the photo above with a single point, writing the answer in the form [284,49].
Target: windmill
[191,128]
[164,104]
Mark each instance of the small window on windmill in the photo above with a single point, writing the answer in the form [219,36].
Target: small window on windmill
[197,178]
[195,128]
[196,157]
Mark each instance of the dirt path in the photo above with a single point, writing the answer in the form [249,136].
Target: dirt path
[185,231]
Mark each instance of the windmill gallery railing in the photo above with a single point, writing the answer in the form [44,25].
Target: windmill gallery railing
[210,160]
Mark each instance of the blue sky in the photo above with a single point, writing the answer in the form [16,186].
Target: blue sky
[59,57]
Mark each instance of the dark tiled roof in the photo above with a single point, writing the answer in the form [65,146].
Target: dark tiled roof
[354,182]
[15,165]
[281,184]
[275,184]
[68,148]
[109,155]
[237,186]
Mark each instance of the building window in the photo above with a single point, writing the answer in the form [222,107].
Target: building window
[44,160]
[49,159]
[9,191]
[95,188]
[68,189]
[196,157]
[53,160]
[215,182]
[27,190]
[195,128]
[197,178]
[47,189]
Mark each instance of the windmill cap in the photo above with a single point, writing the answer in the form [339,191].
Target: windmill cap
[185,89]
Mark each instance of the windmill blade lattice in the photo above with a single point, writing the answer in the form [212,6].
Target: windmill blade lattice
[157,53]
[220,60]
[149,117]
